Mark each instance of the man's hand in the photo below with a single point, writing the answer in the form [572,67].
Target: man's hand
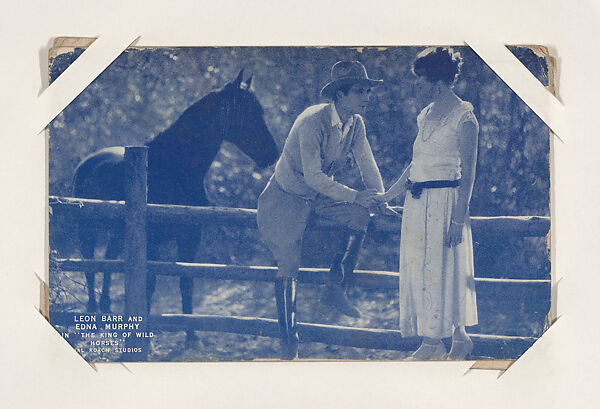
[366,198]
[381,198]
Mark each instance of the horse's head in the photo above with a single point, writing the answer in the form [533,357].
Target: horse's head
[244,124]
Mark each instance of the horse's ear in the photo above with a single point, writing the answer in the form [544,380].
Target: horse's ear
[249,83]
[236,82]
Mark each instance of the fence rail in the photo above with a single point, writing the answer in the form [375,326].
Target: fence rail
[512,290]
[523,226]
[137,214]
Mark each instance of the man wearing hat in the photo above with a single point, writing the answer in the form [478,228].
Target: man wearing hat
[303,187]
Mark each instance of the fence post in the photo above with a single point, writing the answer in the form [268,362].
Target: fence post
[136,193]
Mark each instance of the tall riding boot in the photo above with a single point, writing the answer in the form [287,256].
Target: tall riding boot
[340,273]
[336,273]
[292,328]
[350,259]
[280,302]
[285,297]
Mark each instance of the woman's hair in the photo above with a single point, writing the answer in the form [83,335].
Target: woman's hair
[438,64]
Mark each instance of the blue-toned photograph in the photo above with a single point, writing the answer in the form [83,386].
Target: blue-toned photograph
[299,203]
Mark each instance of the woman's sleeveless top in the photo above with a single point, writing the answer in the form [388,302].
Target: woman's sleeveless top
[435,151]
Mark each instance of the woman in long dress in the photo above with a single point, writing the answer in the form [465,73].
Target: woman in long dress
[437,287]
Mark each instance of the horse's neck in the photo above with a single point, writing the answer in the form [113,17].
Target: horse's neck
[193,139]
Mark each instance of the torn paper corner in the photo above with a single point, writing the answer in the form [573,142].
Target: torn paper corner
[62,45]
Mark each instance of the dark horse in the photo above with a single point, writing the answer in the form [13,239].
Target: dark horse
[178,159]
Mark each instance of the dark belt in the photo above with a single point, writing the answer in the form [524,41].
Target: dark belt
[416,188]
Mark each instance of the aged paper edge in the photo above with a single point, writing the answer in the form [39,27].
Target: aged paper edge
[45,299]
[61,45]
[496,365]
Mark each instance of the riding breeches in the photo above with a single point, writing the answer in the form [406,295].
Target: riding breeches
[283,217]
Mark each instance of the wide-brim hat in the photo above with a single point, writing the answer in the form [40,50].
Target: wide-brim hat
[344,73]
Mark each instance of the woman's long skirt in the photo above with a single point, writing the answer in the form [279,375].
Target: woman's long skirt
[437,285]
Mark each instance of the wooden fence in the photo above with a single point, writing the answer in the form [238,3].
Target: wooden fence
[136,213]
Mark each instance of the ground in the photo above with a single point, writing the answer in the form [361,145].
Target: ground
[224,297]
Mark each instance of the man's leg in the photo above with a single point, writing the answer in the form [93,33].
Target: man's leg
[282,219]
[354,219]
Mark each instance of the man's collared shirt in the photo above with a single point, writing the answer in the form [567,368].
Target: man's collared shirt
[317,147]
[336,122]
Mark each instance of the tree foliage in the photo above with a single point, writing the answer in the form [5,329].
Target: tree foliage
[144,90]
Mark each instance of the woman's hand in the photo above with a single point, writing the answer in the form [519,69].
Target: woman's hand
[392,193]
[455,234]
[380,206]
[383,209]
